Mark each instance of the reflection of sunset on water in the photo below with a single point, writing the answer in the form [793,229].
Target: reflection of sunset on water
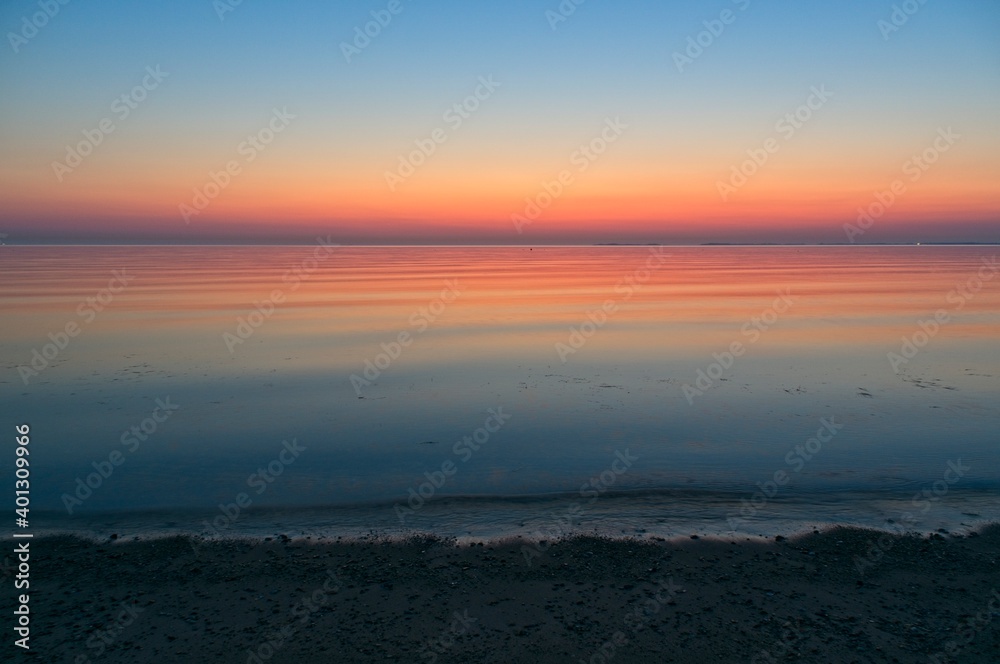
[368,352]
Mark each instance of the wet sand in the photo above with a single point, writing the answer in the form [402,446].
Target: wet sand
[584,599]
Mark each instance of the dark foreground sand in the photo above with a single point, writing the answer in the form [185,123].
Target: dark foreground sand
[425,601]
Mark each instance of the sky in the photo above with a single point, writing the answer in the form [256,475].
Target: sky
[516,122]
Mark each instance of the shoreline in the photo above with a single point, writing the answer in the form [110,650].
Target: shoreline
[644,515]
[581,599]
[99,535]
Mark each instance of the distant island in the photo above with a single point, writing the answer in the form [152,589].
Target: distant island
[797,244]
[842,244]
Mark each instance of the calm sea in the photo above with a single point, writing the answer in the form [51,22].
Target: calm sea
[486,391]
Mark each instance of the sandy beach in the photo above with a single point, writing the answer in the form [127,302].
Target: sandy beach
[585,599]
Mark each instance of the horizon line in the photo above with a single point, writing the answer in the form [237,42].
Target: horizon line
[521,246]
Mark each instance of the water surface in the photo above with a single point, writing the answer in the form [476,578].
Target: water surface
[585,351]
